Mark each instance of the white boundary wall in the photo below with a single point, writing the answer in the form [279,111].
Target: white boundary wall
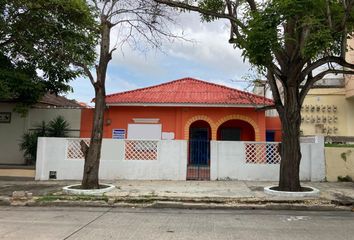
[228,161]
[171,163]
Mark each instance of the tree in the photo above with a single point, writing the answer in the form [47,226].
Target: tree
[39,42]
[293,43]
[137,21]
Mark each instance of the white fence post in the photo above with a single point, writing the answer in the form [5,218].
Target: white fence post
[318,168]
[214,160]
[40,159]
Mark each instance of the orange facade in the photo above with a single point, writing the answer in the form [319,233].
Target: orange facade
[274,124]
[179,119]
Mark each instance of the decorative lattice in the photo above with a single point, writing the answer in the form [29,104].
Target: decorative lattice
[262,153]
[141,150]
[74,148]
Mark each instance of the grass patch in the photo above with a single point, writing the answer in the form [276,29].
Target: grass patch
[339,145]
[139,201]
[52,198]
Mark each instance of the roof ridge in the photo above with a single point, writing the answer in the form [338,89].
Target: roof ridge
[210,87]
[181,79]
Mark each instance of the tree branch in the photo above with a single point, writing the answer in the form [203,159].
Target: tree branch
[276,95]
[87,72]
[253,5]
[265,108]
[202,11]
[330,59]
[310,82]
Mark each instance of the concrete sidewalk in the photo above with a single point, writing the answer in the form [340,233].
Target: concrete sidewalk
[341,191]
[202,192]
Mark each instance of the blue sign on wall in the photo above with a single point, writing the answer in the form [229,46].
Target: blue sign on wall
[118,133]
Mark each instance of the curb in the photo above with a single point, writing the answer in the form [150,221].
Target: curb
[241,205]
[270,206]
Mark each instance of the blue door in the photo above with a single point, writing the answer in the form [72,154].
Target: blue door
[199,154]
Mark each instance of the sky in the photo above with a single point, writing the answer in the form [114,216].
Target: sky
[206,55]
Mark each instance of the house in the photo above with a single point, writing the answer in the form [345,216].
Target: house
[184,109]
[185,129]
[13,125]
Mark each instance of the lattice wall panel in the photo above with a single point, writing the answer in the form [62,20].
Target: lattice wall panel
[262,153]
[74,148]
[141,150]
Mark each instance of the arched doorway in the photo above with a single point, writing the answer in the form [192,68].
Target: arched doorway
[236,130]
[199,151]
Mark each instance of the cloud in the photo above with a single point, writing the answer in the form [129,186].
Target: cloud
[207,56]
[208,48]
[117,84]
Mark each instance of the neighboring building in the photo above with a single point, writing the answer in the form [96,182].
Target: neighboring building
[13,125]
[328,108]
[182,109]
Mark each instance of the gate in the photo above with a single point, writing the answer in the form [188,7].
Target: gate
[199,160]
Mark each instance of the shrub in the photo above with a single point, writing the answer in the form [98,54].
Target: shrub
[29,146]
[58,127]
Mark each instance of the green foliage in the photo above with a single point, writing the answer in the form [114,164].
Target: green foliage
[58,127]
[310,30]
[342,145]
[39,42]
[346,178]
[211,5]
[29,146]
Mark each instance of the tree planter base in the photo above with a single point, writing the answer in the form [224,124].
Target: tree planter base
[313,192]
[75,190]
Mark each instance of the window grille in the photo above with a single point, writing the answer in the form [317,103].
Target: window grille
[141,149]
[262,153]
[74,148]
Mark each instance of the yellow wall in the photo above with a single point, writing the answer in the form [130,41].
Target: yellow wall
[316,120]
[349,79]
[336,165]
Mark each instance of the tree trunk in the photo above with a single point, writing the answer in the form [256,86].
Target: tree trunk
[92,158]
[289,179]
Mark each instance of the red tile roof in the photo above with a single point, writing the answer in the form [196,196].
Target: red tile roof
[187,91]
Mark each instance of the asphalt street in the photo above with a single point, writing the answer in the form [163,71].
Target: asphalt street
[134,223]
